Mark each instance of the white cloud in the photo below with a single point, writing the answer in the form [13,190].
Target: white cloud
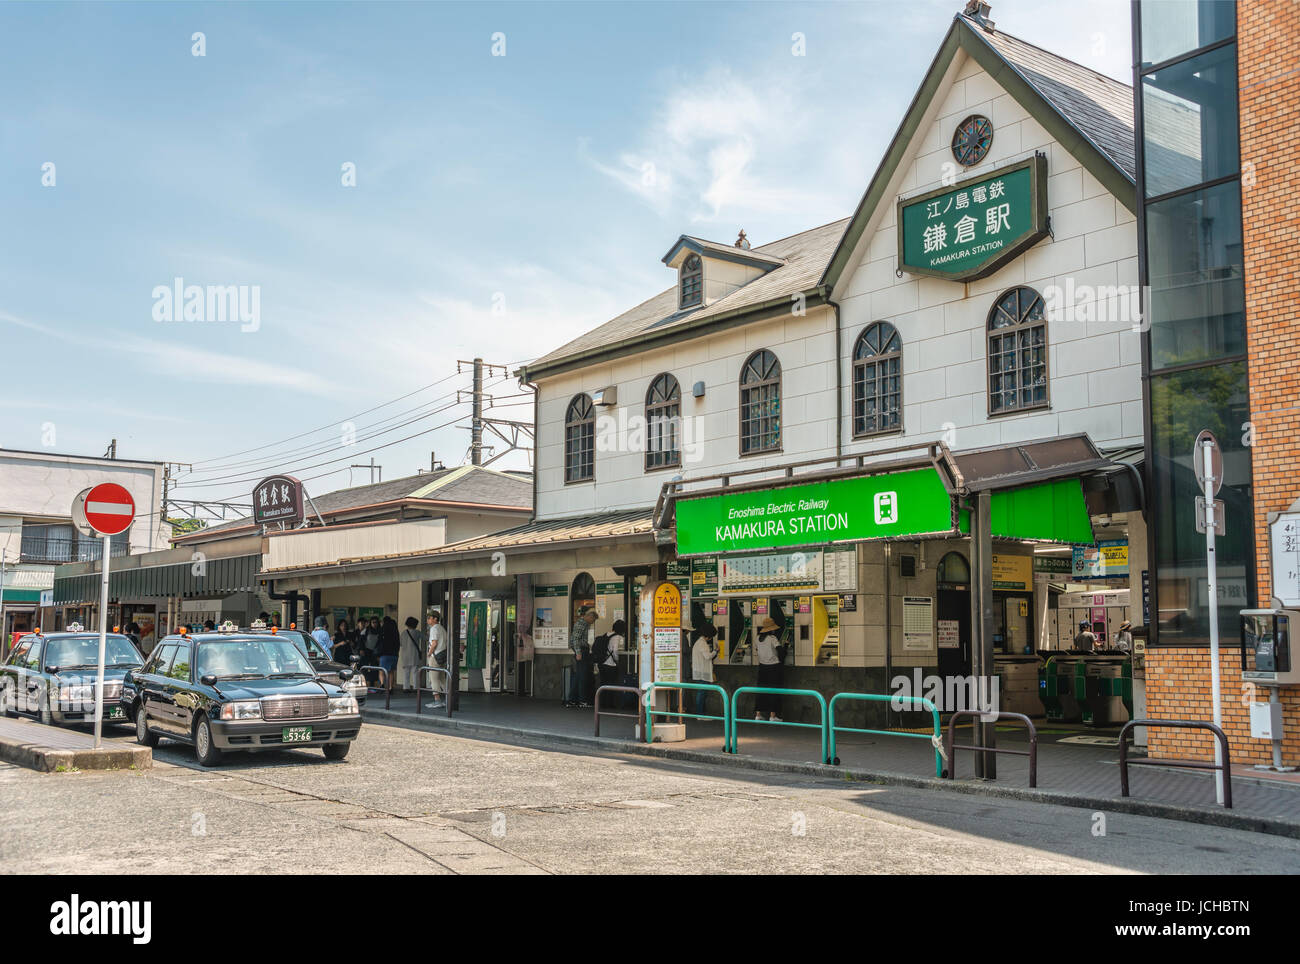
[723,144]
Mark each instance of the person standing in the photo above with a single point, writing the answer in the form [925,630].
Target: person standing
[1124,638]
[768,653]
[412,653]
[368,642]
[1084,640]
[607,660]
[703,652]
[390,645]
[342,651]
[321,635]
[437,656]
[580,645]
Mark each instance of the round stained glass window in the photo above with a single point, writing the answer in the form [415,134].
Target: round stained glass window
[972,140]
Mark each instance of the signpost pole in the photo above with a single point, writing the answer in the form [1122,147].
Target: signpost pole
[103,641]
[1212,589]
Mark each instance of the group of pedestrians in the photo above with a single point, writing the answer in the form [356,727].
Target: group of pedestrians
[599,658]
[379,641]
[593,659]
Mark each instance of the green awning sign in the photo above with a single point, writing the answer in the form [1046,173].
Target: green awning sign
[908,503]
[971,230]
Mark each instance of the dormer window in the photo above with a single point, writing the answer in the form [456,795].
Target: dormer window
[692,282]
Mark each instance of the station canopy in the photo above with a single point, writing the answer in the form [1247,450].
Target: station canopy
[1044,490]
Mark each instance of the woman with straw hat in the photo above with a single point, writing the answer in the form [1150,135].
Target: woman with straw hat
[767,652]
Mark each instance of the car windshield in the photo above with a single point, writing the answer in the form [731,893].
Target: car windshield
[259,656]
[71,652]
[308,645]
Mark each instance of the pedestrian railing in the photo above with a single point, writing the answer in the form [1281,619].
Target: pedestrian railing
[774,691]
[419,686]
[1032,752]
[1225,766]
[388,691]
[935,738]
[611,688]
[726,717]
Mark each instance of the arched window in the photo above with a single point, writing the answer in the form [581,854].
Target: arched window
[663,416]
[878,381]
[1017,352]
[580,440]
[692,281]
[582,596]
[953,572]
[760,404]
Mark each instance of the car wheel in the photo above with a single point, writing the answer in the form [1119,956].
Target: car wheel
[143,736]
[336,751]
[8,705]
[205,751]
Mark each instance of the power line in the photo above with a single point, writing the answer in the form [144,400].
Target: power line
[331,425]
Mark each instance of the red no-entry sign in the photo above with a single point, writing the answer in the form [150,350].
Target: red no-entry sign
[109,509]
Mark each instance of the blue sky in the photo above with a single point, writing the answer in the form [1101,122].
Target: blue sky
[501,205]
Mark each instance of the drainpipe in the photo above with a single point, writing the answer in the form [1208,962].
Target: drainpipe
[839,380]
[291,597]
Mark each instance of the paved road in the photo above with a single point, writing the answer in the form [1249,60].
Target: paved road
[407,801]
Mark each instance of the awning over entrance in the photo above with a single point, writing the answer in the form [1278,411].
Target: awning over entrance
[199,578]
[1037,492]
[619,538]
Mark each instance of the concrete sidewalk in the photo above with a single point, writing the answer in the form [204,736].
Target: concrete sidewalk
[1072,767]
[53,748]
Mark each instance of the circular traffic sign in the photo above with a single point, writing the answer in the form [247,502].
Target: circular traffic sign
[109,509]
[1213,472]
[79,513]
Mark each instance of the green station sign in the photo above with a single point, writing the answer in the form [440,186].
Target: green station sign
[908,503]
[970,230]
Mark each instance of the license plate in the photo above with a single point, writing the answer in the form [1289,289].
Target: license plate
[115,713]
[296,734]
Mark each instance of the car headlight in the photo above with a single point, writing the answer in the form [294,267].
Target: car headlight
[356,684]
[343,705]
[242,710]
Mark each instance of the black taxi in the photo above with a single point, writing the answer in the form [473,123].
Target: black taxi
[232,690]
[52,676]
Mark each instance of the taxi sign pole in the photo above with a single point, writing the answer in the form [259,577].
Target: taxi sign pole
[103,641]
[1209,450]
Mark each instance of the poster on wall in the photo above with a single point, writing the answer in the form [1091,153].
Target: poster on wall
[668,667]
[949,634]
[918,622]
[1012,572]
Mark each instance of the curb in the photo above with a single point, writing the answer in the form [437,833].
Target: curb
[1226,819]
[47,759]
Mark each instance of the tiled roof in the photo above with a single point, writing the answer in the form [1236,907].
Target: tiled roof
[1100,107]
[466,484]
[805,256]
[545,534]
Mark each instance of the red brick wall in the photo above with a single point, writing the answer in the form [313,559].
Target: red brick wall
[1178,688]
[1268,51]
[1269,103]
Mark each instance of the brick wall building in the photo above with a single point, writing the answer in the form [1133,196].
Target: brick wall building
[1267,89]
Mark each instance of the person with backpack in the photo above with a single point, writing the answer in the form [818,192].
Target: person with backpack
[582,673]
[605,650]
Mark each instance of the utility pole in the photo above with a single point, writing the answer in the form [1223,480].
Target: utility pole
[372,467]
[495,425]
[476,427]
[112,450]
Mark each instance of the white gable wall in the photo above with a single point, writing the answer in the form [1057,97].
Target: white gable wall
[806,348]
[1093,368]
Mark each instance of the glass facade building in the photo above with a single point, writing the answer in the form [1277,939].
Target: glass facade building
[1191,264]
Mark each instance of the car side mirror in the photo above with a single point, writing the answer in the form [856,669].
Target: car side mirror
[128,677]
[208,680]
[52,670]
[346,674]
